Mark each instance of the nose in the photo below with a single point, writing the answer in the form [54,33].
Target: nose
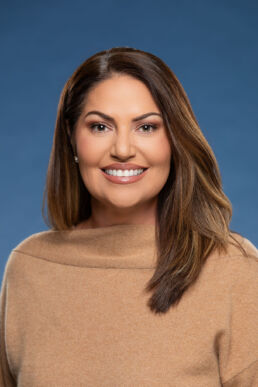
[122,146]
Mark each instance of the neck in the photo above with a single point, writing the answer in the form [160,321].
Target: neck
[103,216]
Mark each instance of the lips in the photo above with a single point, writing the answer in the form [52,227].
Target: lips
[123,166]
[124,179]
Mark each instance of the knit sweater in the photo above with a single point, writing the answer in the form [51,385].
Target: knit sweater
[74,313]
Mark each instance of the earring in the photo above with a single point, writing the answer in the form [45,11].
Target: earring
[76,159]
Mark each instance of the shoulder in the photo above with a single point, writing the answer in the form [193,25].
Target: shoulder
[36,245]
[234,268]
[241,252]
[239,249]
[35,242]
[249,247]
[244,266]
[228,276]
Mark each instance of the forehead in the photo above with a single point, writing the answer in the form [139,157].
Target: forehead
[121,93]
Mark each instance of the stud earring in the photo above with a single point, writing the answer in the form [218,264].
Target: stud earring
[76,159]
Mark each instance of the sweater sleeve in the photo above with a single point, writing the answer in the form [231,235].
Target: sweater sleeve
[6,378]
[239,348]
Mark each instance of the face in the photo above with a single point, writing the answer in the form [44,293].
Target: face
[101,141]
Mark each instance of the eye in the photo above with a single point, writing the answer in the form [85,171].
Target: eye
[97,125]
[154,127]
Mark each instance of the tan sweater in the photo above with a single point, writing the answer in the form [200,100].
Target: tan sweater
[73,313]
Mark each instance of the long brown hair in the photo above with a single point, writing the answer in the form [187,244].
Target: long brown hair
[193,212]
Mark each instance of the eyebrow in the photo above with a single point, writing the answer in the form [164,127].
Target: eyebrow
[111,119]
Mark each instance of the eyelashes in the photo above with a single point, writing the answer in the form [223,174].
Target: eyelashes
[98,124]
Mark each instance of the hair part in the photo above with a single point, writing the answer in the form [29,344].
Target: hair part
[193,212]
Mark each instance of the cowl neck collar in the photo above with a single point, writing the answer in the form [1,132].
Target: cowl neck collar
[117,246]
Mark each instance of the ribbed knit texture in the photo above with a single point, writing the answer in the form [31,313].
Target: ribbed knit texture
[74,313]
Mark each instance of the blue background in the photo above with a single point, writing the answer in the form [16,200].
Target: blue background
[212,46]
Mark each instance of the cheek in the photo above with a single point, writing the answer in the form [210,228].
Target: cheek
[89,150]
[160,153]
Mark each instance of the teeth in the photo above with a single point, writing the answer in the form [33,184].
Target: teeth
[126,172]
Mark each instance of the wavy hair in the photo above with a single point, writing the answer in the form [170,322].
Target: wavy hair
[193,213]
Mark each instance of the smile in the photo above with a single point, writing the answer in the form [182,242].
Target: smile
[124,176]
[125,172]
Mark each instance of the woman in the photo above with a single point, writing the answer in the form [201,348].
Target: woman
[139,281]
